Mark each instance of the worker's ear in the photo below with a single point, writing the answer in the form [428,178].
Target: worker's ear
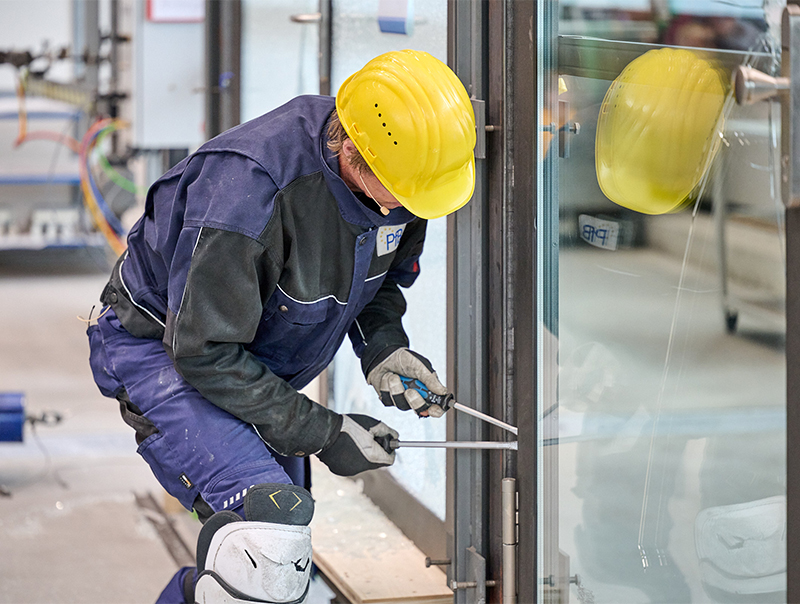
[349,149]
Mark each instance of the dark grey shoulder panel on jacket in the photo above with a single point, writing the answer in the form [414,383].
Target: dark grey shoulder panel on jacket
[317,243]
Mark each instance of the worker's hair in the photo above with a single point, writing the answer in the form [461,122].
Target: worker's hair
[336,138]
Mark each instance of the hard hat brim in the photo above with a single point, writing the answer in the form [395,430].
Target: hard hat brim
[441,200]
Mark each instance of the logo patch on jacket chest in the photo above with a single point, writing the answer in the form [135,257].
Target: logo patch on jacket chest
[389,239]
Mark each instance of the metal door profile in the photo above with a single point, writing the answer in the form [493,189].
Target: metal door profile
[223,25]
[491,309]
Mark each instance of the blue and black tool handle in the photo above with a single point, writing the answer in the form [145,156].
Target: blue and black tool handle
[443,400]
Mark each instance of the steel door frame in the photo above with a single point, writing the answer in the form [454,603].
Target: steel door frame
[492,314]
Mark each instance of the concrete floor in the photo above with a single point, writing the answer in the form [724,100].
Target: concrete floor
[82,520]
[71,529]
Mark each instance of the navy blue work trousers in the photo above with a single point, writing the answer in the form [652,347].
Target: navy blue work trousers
[203,456]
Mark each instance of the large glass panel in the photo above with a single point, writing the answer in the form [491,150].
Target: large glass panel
[280,61]
[356,39]
[357,36]
[668,479]
[279,57]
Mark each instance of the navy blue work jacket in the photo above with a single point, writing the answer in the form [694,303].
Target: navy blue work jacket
[252,262]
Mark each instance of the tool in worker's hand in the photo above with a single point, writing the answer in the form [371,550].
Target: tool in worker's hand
[390,444]
[445,401]
[442,400]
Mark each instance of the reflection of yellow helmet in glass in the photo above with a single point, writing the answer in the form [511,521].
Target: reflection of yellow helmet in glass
[412,121]
[659,128]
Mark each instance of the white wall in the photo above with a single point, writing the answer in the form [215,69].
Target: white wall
[26,25]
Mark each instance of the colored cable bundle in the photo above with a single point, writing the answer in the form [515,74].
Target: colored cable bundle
[104,218]
[24,135]
[118,179]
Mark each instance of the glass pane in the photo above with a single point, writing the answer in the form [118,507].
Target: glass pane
[356,39]
[279,57]
[357,36]
[666,462]
[735,25]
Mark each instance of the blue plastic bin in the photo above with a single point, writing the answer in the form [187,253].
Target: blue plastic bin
[12,416]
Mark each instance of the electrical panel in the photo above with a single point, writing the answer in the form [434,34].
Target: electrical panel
[165,75]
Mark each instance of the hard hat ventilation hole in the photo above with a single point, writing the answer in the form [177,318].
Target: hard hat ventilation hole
[384,124]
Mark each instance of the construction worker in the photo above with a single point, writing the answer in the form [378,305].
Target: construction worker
[254,258]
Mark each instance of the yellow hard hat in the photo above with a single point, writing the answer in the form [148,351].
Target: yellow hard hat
[659,127]
[412,121]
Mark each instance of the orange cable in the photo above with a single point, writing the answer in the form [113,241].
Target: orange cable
[23,134]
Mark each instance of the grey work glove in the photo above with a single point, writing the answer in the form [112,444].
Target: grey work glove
[385,378]
[354,449]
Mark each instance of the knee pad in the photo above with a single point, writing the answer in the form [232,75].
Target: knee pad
[265,558]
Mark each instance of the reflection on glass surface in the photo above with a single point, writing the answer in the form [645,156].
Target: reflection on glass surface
[420,471]
[671,388]
[733,25]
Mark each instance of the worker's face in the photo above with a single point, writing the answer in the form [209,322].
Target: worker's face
[372,187]
[368,183]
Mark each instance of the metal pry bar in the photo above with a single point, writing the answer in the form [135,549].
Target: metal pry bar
[444,444]
[486,418]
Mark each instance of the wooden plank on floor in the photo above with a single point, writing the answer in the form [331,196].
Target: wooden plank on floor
[362,553]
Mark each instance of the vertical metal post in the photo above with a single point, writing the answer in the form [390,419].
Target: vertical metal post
[790,143]
[325,45]
[213,68]
[468,270]
[86,42]
[521,132]
[113,54]
[223,65]
[500,338]
[113,79]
